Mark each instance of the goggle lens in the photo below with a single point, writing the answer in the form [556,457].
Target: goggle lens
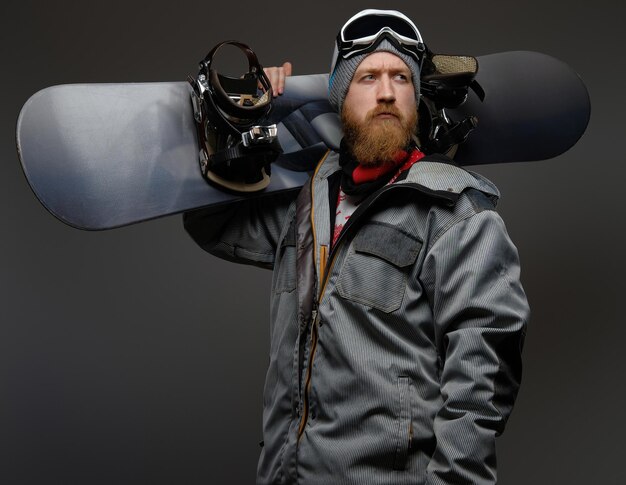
[369,25]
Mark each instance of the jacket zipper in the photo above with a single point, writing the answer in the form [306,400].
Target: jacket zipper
[326,270]
[358,213]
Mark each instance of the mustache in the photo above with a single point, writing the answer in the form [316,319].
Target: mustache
[384,108]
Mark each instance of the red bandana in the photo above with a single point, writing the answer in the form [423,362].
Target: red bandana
[403,161]
[347,204]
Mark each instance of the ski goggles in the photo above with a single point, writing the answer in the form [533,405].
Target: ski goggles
[364,31]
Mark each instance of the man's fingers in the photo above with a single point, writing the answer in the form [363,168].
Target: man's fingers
[272,75]
[277,75]
[284,71]
[280,87]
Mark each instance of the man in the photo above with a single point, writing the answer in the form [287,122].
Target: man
[397,315]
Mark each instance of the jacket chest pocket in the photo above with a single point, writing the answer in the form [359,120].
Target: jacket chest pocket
[375,270]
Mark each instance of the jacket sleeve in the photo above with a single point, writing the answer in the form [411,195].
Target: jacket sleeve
[244,232]
[480,311]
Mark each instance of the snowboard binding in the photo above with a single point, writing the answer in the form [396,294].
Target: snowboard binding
[236,149]
[445,84]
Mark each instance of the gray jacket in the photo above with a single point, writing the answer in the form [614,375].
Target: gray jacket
[396,357]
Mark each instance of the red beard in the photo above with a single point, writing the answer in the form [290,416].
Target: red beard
[377,140]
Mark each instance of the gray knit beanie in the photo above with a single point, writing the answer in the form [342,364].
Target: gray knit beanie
[344,69]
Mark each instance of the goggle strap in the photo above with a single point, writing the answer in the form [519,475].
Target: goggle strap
[417,54]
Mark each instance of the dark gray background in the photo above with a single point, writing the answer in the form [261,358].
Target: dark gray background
[130,356]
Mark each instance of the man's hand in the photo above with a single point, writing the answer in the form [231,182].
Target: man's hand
[277,77]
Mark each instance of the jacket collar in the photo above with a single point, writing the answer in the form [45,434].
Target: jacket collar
[436,173]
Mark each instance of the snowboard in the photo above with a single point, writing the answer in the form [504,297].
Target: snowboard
[100,156]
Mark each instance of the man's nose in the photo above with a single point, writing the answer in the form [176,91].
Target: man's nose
[386,92]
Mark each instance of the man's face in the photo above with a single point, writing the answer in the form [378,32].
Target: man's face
[379,113]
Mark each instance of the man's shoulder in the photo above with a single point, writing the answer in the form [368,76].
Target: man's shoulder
[439,173]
